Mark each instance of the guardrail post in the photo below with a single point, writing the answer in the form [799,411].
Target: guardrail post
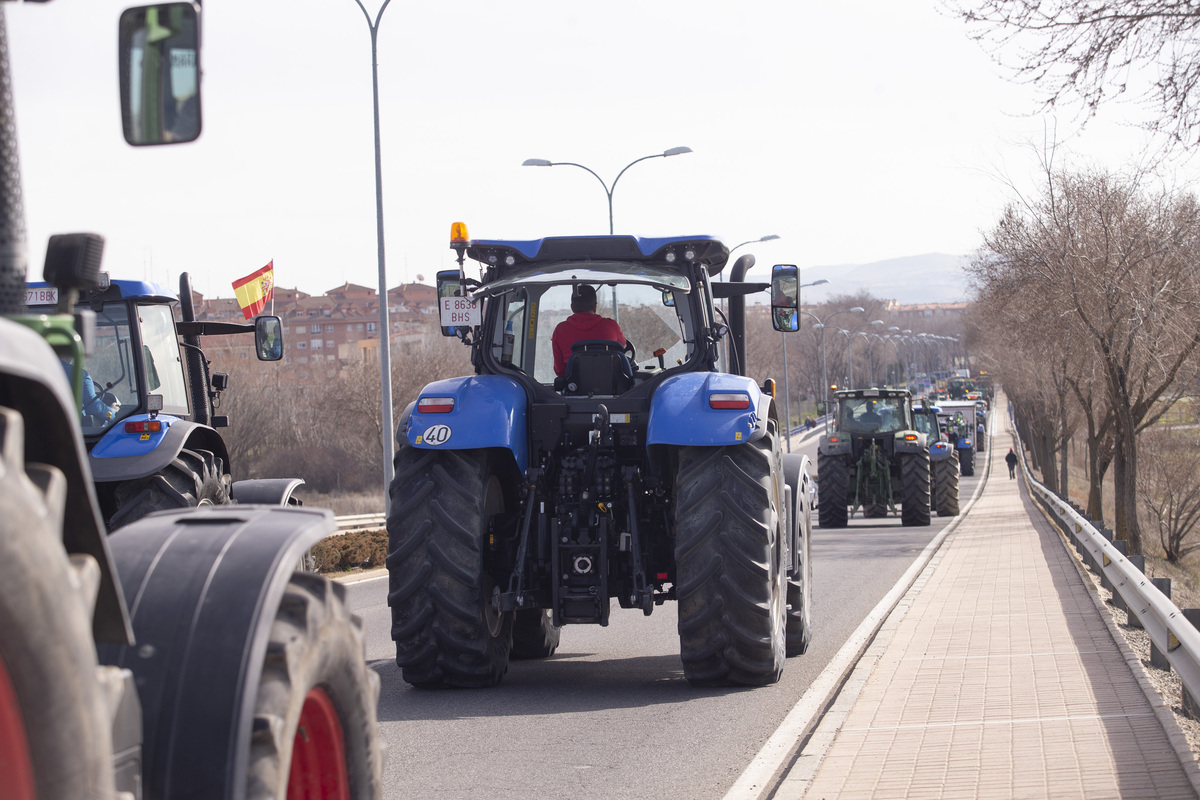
[1139,562]
[1187,702]
[1122,548]
[1158,659]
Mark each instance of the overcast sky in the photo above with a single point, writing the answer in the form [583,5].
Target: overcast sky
[855,131]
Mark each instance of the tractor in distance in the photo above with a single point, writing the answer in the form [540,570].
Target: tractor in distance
[527,496]
[150,426]
[943,460]
[227,674]
[958,420]
[875,459]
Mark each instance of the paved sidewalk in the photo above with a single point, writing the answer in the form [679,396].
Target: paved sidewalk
[996,676]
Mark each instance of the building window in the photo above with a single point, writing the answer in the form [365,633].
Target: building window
[329,328]
[372,327]
[314,328]
[359,326]
[330,343]
[302,345]
[317,344]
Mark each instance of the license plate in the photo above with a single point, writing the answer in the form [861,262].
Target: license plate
[41,296]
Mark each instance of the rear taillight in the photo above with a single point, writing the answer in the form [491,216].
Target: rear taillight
[435,405]
[144,426]
[734,400]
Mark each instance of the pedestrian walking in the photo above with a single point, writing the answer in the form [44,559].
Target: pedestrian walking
[1011,460]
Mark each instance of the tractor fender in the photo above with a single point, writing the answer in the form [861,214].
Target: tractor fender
[488,411]
[681,414]
[910,442]
[835,444]
[206,584]
[33,383]
[965,443]
[266,491]
[940,451]
[121,456]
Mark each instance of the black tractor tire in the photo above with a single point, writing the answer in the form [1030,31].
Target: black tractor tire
[731,579]
[194,478]
[314,713]
[967,461]
[444,622]
[833,487]
[914,487]
[534,634]
[945,481]
[799,586]
[52,706]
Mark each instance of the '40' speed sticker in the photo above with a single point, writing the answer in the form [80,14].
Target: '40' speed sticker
[435,435]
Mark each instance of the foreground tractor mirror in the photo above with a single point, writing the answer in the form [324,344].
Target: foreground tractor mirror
[159,56]
[268,338]
[785,297]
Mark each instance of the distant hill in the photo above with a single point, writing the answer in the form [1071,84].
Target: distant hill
[929,278]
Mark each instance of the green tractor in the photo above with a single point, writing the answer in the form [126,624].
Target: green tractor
[875,460]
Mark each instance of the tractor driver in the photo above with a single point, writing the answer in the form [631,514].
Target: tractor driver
[583,324]
[870,417]
[94,402]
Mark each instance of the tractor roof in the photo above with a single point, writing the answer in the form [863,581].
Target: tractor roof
[860,393]
[664,252]
[121,290]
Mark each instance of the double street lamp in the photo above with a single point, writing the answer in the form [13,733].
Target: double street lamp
[608,190]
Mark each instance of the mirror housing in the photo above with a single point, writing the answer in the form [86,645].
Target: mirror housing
[268,338]
[785,297]
[159,57]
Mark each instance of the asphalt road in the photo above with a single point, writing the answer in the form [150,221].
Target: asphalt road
[610,714]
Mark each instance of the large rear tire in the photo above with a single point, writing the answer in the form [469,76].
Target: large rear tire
[444,621]
[914,482]
[534,634]
[314,729]
[55,733]
[194,478]
[731,579]
[967,461]
[946,485]
[833,487]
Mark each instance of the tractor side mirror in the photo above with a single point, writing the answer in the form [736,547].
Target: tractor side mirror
[785,297]
[159,57]
[455,310]
[268,338]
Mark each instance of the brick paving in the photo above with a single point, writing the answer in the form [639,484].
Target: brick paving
[995,677]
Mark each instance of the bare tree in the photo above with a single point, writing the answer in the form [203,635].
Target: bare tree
[1090,50]
[1170,489]
[1118,264]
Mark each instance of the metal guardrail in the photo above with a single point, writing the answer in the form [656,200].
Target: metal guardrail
[361,522]
[1170,631]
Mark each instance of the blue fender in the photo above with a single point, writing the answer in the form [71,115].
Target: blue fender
[939,451]
[121,456]
[680,413]
[489,411]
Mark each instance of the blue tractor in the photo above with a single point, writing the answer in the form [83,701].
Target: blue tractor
[149,400]
[527,497]
[943,460]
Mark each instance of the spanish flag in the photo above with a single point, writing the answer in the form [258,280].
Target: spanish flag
[254,290]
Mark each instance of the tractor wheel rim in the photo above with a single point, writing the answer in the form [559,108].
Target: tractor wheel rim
[15,763]
[318,770]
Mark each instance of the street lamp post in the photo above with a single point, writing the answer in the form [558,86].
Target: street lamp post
[608,190]
[385,356]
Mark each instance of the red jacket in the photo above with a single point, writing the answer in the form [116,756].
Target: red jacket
[579,327]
